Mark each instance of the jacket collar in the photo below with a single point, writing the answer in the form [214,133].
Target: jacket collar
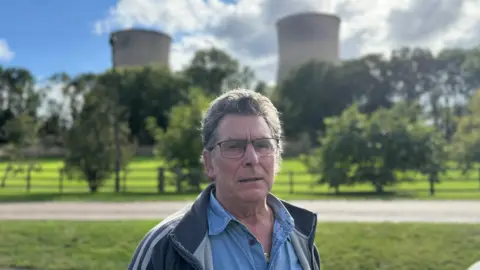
[193,227]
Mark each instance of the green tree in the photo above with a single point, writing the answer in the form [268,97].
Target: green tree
[370,149]
[21,133]
[53,124]
[465,147]
[74,89]
[399,140]
[242,78]
[148,91]
[342,148]
[90,147]
[471,66]
[181,145]
[371,78]
[412,72]
[18,95]
[312,93]
[452,87]
[212,70]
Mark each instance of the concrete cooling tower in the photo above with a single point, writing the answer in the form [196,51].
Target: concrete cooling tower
[304,37]
[137,47]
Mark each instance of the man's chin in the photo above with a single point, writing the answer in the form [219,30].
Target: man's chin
[254,194]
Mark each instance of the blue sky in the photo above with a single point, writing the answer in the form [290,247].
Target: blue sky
[50,36]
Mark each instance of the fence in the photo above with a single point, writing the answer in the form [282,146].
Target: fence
[159,180]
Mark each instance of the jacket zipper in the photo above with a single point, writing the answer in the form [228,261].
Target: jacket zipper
[185,254]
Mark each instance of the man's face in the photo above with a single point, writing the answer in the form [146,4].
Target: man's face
[249,176]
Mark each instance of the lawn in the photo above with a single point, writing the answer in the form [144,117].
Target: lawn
[109,245]
[141,184]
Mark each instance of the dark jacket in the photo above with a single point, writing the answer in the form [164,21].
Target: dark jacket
[181,240]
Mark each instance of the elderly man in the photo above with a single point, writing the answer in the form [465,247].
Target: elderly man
[235,223]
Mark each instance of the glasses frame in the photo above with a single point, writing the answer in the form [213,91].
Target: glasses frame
[219,144]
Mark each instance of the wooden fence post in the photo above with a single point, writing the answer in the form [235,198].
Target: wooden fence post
[478,177]
[433,179]
[29,178]
[180,177]
[161,180]
[61,173]
[290,175]
[124,180]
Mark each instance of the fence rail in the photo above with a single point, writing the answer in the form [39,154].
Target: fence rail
[160,180]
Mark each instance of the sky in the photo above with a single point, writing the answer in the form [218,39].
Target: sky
[52,36]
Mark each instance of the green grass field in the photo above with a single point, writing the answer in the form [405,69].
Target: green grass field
[141,184]
[55,245]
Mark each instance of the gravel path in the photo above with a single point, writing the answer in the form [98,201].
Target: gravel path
[335,210]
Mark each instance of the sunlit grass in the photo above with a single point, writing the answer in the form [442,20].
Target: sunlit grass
[55,245]
[293,182]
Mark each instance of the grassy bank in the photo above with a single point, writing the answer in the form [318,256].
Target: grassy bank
[109,245]
[293,182]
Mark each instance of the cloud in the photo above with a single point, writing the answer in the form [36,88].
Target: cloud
[246,28]
[6,54]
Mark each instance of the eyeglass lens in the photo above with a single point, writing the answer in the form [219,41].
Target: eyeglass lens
[236,148]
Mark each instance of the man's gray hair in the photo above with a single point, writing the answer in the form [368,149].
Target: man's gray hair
[240,102]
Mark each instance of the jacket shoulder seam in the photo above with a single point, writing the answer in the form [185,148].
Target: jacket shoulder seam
[146,247]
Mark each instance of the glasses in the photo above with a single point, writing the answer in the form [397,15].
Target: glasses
[236,148]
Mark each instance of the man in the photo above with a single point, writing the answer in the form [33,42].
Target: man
[235,223]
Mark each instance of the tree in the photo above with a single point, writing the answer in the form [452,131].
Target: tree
[18,95]
[21,133]
[310,94]
[242,78]
[471,67]
[465,147]
[19,103]
[358,148]
[412,72]
[399,140]
[371,78]
[53,125]
[342,147]
[181,145]
[148,91]
[210,70]
[90,144]
[450,82]
[74,90]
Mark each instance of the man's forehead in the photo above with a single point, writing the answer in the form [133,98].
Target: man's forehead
[242,127]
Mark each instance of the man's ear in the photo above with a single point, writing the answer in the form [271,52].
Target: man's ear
[208,164]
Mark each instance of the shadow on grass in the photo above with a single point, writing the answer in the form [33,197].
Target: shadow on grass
[84,196]
[149,196]
[174,196]
[387,195]
[13,267]
[406,194]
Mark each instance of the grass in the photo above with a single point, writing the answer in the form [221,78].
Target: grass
[141,184]
[72,245]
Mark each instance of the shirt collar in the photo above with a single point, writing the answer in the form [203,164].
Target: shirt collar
[219,218]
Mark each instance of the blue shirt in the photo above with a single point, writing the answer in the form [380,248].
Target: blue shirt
[235,247]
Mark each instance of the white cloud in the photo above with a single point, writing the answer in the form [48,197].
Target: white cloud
[6,54]
[246,29]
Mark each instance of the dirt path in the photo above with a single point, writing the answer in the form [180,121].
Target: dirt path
[335,210]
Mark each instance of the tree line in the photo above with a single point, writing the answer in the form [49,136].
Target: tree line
[361,120]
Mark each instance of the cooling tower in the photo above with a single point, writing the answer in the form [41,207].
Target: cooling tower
[137,47]
[304,37]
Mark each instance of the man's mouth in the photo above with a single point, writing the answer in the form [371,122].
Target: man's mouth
[251,179]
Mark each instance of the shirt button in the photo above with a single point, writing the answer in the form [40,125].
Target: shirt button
[251,242]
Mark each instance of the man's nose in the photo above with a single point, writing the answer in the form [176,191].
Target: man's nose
[250,157]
